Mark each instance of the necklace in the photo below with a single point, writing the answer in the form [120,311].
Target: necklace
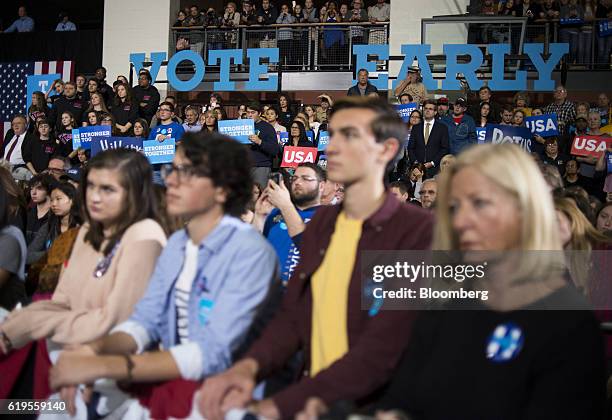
[105,262]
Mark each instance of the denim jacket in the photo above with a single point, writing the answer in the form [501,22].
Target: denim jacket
[460,135]
[235,272]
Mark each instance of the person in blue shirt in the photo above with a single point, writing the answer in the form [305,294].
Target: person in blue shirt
[461,127]
[282,214]
[166,129]
[65,24]
[210,285]
[23,24]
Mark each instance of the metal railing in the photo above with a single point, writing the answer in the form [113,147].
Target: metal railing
[302,47]
[590,44]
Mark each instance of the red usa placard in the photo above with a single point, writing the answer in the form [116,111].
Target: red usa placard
[590,145]
[293,156]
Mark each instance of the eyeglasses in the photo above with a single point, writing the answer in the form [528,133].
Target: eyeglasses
[165,109]
[303,178]
[183,172]
[55,170]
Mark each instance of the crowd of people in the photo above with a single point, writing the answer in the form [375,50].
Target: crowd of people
[294,44]
[576,23]
[175,301]
[225,283]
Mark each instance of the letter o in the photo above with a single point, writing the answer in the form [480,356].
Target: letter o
[185,85]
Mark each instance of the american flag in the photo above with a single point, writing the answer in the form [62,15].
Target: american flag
[13,85]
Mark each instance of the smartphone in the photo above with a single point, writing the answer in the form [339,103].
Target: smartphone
[276,177]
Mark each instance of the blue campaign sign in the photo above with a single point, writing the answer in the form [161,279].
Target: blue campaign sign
[42,83]
[323,140]
[239,130]
[609,159]
[310,136]
[405,110]
[544,125]
[100,144]
[81,137]
[605,28]
[284,137]
[159,152]
[480,134]
[498,134]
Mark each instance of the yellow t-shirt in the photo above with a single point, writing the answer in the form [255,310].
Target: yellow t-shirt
[330,284]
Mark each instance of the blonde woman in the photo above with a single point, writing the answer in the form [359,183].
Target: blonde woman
[499,360]
[447,162]
[96,103]
[578,237]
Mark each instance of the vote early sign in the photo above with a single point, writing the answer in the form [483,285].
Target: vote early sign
[590,146]
[543,125]
[293,156]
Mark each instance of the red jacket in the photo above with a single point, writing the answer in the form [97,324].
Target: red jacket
[375,343]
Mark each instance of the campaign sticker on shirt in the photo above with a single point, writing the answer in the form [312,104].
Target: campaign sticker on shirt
[204,309]
[505,343]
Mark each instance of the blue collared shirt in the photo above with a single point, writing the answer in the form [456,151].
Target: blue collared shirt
[235,271]
[23,24]
[64,27]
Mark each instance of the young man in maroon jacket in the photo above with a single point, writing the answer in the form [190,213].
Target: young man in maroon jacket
[350,353]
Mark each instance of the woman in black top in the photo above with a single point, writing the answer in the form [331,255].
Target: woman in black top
[285,114]
[65,214]
[63,138]
[124,110]
[297,135]
[532,349]
[38,109]
[40,193]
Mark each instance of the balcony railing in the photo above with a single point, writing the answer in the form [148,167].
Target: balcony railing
[302,47]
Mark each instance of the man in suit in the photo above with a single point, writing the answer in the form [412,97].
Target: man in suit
[16,140]
[428,140]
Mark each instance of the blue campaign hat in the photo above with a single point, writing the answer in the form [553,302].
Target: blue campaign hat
[73,174]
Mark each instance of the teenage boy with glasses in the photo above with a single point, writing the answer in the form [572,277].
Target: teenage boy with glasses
[210,284]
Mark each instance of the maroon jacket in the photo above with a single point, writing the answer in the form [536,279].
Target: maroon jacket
[375,343]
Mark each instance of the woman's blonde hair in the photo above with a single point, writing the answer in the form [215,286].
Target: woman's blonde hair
[583,236]
[515,171]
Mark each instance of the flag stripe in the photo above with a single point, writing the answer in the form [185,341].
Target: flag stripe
[52,65]
[38,67]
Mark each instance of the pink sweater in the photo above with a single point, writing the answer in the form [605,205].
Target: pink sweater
[84,308]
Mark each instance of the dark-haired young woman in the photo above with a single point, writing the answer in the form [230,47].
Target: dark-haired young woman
[124,109]
[65,214]
[109,267]
[38,109]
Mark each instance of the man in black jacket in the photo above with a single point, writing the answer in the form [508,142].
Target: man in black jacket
[69,102]
[428,140]
[264,146]
[146,95]
[363,86]
[17,140]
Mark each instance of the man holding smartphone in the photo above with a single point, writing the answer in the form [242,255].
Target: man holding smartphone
[281,214]
[264,146]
